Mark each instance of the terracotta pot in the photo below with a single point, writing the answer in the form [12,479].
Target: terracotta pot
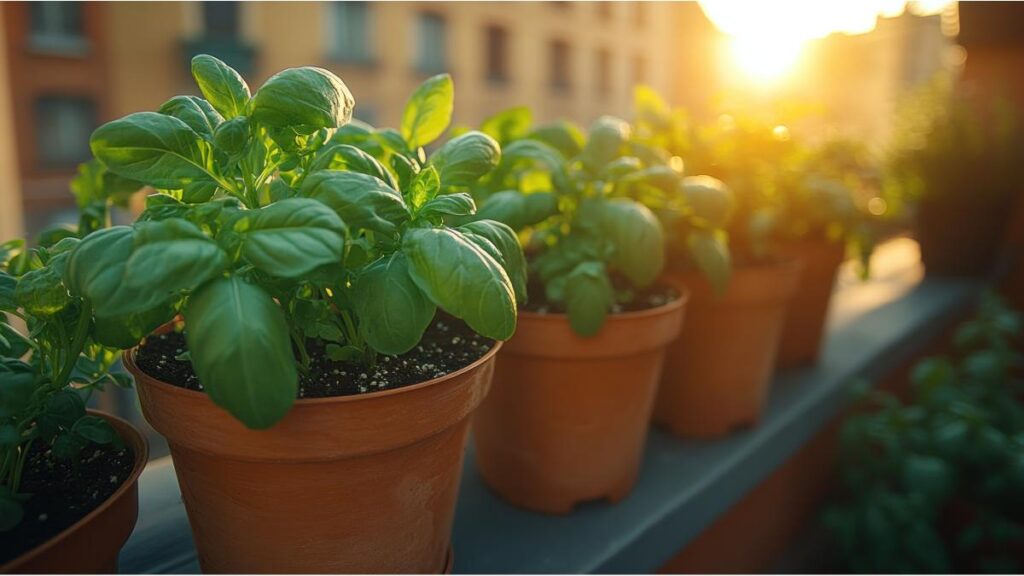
[91,545]
[567,417]
[717,372]
[805,318]
[349,484]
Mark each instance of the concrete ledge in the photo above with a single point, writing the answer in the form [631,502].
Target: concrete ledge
[684,485]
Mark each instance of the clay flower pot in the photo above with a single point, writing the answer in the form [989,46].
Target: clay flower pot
[91,545]
[717,373]
[805,317]
[567,417]
[348,484]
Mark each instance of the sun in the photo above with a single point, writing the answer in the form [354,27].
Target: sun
[765,59]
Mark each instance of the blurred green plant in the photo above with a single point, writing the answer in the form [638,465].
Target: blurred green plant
[950,146]
[784,188]
[934,484]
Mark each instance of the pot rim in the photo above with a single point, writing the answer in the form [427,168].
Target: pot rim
[129,361]
[684,297]
[141,449]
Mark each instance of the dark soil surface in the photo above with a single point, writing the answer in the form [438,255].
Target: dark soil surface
[63,492]
[652,297]
[447,346]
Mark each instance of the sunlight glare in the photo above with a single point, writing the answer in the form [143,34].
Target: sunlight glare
[765,58]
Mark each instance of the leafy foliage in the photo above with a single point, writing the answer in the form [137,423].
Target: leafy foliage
[594,211]
[47,376]
[933,485]
[781,187]
[277,221]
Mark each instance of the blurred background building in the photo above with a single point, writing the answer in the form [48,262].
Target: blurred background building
[66,67]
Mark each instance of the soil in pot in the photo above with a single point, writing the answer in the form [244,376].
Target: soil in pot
[718,371]
[359,481]
[567,416]
[64,492]
[90,545]
[804,326]
[447,345]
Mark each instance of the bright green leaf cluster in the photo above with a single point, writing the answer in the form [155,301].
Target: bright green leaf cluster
[278,221]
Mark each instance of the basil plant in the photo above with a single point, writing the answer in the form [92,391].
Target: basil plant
[47,376]
[584,207]
[278,222]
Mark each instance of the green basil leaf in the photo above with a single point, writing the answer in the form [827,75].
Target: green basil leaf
[519,210]
[241,350]
[563,136]
[96,271]
[637,239]
[60,412]
[125,331]
[711,254]
[303,99]
[94,429]
[348,157]
[504,239]
[197,192]
[15,392]
[428,112]
[508,125]
[8,284]
[464,159]
[171,256]
[221,85]
[535,153]
[10,249]
[604,143]
[200,116]
[232,136]
[462,279]
[362,201]
[393,312]
[457,204]
[159,150]
[42,292]
[710,199]
[68,446]
[425,187]
[292,237]
[588,295]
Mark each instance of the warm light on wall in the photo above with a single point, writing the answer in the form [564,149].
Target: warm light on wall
[767,38]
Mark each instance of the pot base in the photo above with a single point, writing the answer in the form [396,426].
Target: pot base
[551,499]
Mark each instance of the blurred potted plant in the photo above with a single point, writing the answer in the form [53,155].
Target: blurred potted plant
[820,216]
[717,374]
[308,274]
[956,160]
[68,475]
[568,414]
[933,484]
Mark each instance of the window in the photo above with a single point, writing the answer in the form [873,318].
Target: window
[604,71]
[350,31]
[497,54]
[430,46]
[639,70]
[57,27]
[221,20]
[63,127]
[559,62]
